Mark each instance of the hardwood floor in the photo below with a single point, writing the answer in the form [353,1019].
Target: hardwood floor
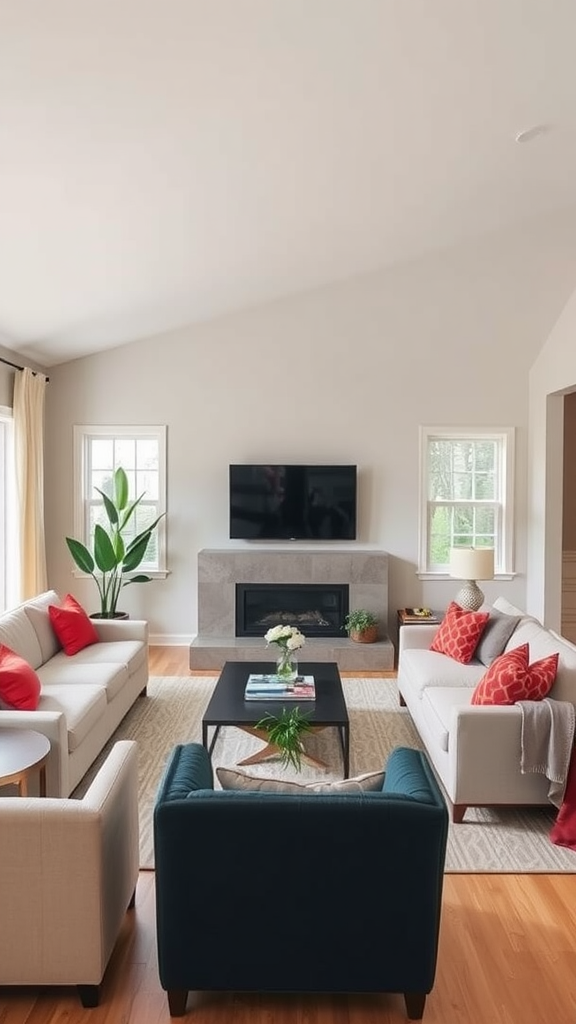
[507,956]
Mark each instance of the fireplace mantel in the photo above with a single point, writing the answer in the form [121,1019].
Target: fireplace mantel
[365,571]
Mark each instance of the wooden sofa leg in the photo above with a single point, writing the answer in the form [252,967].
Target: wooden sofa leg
[415,1003]
[177,1001]
[144,692]
[458,812]
[132,903]
[401,701]
[89,995]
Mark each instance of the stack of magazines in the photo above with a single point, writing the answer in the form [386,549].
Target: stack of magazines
[263,687]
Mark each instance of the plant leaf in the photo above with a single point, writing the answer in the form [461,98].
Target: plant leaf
[104,553]
[81,555]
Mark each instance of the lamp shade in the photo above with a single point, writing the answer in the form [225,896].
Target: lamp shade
[472,563]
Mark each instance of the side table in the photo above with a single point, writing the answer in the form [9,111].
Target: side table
[407,617]
[23,751]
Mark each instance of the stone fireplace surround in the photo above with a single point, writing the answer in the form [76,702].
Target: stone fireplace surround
[365,571]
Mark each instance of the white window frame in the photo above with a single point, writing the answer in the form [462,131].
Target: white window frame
[504,543]
[83,435]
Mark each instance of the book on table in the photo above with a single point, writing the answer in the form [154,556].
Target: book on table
[270,687]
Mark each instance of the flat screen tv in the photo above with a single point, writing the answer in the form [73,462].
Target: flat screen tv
[292,502]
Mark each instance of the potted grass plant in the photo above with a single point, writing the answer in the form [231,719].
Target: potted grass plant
[113,559]
[286,731]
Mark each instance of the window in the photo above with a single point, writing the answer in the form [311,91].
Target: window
[466,487]
[141,451]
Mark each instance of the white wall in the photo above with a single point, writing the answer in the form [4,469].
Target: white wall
[552,376]
[347,374]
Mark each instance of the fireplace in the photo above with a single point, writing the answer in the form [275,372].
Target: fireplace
[317,609]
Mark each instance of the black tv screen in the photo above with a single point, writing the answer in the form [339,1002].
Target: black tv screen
[292,502]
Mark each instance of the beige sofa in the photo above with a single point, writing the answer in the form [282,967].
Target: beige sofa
[84,697]
[476,750]
[68,873]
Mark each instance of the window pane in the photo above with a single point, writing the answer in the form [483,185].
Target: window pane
[102,453]
[125,454]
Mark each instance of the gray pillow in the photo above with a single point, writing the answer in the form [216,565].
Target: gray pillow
[495,636]
[366,783]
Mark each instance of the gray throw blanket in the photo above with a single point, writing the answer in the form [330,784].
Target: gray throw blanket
[547,739]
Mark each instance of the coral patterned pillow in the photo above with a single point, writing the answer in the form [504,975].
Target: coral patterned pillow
[541,676]
[459,633]
[72,625]
[506,680]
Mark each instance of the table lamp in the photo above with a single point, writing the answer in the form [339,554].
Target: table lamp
[471,564]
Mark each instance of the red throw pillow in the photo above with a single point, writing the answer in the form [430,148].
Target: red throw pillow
[506,680]
[541,676]
[19,684]
[72,626]
[459,633]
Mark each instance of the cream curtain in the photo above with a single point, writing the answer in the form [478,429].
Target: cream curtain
[29,392]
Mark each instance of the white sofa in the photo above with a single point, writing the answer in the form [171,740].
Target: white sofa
[68,873]
[85,696]
[476,749]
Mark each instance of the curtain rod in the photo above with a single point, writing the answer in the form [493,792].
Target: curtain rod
[16,367]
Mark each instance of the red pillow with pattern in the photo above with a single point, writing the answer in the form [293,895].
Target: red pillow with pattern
[459,633]
[541,676]
[506,680]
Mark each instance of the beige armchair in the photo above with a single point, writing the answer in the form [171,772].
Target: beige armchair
[68,873]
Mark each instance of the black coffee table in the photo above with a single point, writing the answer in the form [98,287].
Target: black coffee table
[228,707]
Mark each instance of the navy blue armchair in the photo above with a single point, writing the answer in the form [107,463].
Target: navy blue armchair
[362,872]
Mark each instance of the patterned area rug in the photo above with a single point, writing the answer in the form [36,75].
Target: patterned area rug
[489,841]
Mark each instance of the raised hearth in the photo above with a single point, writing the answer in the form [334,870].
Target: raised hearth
[363,574]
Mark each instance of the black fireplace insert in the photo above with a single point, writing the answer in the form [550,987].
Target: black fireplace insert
[317,609]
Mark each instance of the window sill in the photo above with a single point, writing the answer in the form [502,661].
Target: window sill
[438,576]
[154,574]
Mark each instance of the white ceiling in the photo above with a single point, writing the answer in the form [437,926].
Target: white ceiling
[166,161]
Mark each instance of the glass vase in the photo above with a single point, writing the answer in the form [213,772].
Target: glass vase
[286,666]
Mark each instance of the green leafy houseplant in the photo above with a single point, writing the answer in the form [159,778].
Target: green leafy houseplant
[286,731]
[361,625]
[112,557]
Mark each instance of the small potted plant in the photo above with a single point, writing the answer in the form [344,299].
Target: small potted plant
[361,626]
[113,554]
[285,731]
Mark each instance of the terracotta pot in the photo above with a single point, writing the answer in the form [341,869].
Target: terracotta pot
[364,636]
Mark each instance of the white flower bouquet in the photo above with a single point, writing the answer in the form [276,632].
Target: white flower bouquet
[288,637]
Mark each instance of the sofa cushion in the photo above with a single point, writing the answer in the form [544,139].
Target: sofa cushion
[68,671]
[231,779]
[19,684]
[129,653]
[36,610]
[459,633]
[72,625]
[422,670]
[82,707]
[17,633]
[495,636]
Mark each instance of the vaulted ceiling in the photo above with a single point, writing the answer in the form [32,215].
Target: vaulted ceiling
[167,161]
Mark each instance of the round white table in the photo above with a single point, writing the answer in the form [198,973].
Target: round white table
[23,751]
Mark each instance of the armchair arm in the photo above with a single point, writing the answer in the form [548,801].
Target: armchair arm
[69,869]
[121,629]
